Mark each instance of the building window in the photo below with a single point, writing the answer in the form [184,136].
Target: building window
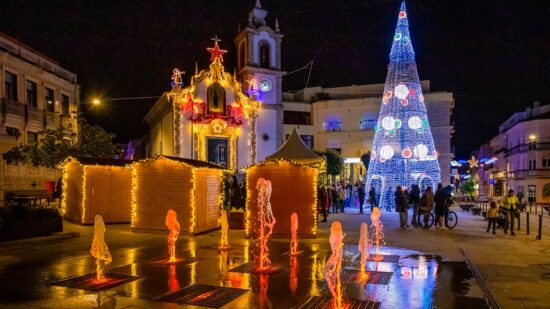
[264,55]
[10,86]
[532,145]
[307,139]
[64,105]
[32,99]
[298,118]
[532,164]
[49,99]
[216,99]
[14,132]
[242,55]
[333,126]
[32,138]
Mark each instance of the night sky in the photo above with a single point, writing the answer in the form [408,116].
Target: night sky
[494,55]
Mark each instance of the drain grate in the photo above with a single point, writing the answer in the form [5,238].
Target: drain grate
[88,282]
[319,302]
[385,258]
[373,277]
[204,295]
[179,261]
[215,247]
[250,268]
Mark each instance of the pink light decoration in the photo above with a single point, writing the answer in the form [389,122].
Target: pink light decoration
[224,243]
[294,234]
[333,267]
[174,228]
[266,222]
[376,232]
[99,249]
[363,247]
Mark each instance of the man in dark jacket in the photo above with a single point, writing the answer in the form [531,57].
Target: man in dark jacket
[372,198]
[440,199]
[414,199]
[361,195]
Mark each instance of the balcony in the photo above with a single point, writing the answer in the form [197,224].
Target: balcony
[368,124]
[542,145]
[52,120]
[35,115]
[530,173]
[333,126]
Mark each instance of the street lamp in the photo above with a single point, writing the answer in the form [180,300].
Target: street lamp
[532,137]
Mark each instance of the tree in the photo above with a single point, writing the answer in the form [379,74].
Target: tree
[468,187]
[335,163]
[58,144]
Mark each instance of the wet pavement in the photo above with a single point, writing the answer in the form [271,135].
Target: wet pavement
[28,275]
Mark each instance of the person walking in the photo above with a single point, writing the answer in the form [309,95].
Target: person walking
[321,202]
[492,215]
[361,195]
[426,203]
[342,197]
[440,199]
[236,197]
[414,198]
[335,199]
[508,208]
[372,198]
[400,205]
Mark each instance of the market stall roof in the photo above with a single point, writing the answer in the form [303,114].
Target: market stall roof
[294,149]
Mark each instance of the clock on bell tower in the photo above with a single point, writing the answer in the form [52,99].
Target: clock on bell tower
[259,63]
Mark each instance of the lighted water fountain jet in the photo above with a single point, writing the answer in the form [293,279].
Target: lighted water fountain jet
[294,234]
[363,247]
[174,228]
[266,222]
[376,233]
[173,282]
[224,243]
[293,280]
[333,267]
[99,249]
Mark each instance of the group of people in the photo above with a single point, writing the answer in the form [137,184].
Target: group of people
[509,208]
[234,194]
[339,196]
[422,201]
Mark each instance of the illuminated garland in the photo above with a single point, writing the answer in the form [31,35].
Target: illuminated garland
[403,150]
[194,169]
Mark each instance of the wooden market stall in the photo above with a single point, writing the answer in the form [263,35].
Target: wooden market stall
[96,187]
[293,171]
[190,187]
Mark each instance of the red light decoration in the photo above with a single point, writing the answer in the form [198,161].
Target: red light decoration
[406,153]
[404,102]
[402,14]
[216,52]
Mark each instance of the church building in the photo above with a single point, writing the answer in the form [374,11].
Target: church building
[233,120]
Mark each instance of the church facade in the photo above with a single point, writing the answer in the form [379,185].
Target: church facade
[233,120]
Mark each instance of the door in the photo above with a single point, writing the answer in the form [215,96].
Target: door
[217,151]
[100,184]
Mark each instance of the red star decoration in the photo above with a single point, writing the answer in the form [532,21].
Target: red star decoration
[238,110]
[188,107]
[216,52]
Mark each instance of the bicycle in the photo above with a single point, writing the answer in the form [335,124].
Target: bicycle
[451,219]
[425,218]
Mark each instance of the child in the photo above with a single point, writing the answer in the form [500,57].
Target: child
[492,215]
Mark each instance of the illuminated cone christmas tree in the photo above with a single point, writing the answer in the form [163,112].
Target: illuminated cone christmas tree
[403,151]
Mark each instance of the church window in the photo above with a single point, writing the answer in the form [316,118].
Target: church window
[264,55]
[242,55]
[216,99]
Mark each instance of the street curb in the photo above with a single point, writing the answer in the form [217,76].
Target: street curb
[41,239]
[490,297]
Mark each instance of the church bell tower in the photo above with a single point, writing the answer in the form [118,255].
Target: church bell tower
[259,66]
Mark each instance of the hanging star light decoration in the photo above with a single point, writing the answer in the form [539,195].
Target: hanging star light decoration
[473,162]
[216,52]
